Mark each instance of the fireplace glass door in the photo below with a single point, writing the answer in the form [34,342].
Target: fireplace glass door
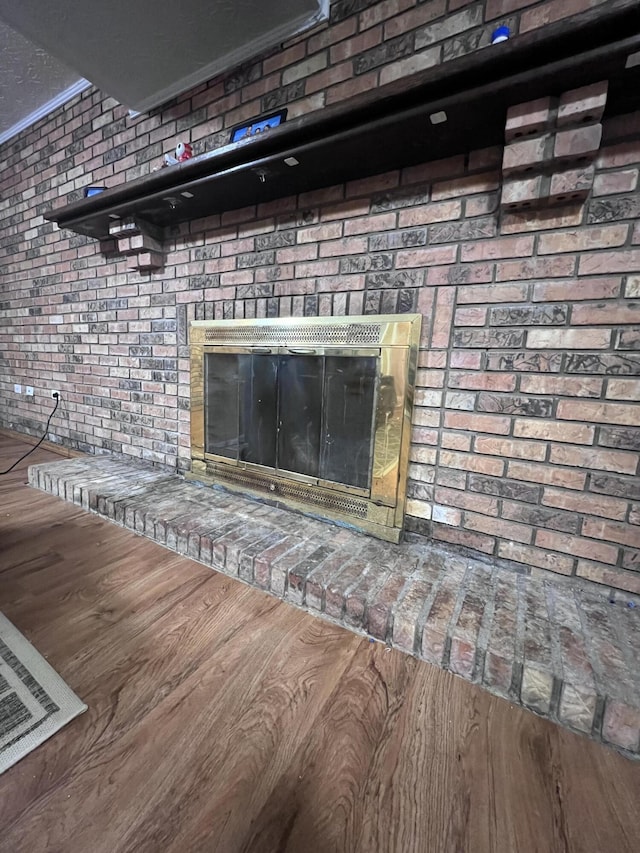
[311,413]
[307,416]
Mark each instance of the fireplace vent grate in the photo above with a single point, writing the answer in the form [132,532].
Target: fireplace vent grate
[351,505]
[348,334]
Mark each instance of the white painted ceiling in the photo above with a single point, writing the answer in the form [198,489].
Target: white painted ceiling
[141,52]
[29,78]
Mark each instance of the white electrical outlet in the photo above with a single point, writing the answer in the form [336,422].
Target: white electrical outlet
[55,394]
[29,391]
[17,388]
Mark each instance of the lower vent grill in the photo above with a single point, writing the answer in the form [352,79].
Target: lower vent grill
[308,494]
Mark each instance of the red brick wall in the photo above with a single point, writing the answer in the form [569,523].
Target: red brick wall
[527,427]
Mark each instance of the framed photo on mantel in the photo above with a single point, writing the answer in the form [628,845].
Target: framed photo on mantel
[257,126]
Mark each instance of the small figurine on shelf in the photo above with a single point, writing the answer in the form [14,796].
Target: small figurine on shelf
[184,151]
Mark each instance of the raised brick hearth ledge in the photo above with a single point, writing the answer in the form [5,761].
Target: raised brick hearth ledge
[557,646]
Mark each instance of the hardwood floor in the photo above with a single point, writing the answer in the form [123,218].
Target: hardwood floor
[222,720]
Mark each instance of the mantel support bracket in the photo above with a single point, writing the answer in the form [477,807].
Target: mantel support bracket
[139,241]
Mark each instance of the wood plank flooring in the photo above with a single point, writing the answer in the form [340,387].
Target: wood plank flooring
[223,720]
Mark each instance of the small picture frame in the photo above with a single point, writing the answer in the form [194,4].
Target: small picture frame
[257,126]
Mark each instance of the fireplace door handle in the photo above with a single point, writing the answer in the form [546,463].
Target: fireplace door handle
[261,350]
[302,351]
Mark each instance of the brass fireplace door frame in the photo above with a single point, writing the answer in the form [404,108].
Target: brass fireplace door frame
[393,340]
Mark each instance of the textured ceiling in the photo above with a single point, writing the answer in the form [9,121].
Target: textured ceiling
[143,53]
[29,77]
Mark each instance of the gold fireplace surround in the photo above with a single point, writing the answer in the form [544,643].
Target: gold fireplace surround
[326,402]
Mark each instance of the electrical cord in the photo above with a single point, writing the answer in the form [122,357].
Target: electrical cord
[35,446]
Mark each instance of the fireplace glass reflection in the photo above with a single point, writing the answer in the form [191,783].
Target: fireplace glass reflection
[309,415]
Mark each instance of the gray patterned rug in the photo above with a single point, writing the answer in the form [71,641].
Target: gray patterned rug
[34,701]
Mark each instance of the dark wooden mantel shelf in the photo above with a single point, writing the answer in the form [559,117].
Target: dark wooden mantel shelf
[385,129]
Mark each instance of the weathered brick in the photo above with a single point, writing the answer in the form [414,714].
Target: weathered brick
[505,247]
[629,339]
[536,557]
[583,105]
[554,431]
[300,571]
[483,338]
[569,339]
[460,274]
[340,584]
[482,381]
[536,689]
[465,186]
[514,405]
[525,315]
[524,155]
[504,488]
[594,458]
[606,413]
[612,183]
[467,500]
[427,256]
[531,450]
[571,185]
[621,725]
[631,556]
[576,546]
[547,475]
[497,527]
[436,627]
[470,462]
[566,386]
[473,316]
[608,314]
[585,503]
[449,26]
[540,517]
[526,119]
[608,531]
[441,331]
[467,229]
[520,192]
[493,293]
[380,609]
[577,142]
[629,581]
[546,267]
[389,51]
[603,363]
[477,422]
[406,614]
[524,361]
[624,260]
[583,240]
[428,213]
[613,209]
[624,438]
[453,440]
[538,220]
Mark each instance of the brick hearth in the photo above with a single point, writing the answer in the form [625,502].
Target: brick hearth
[563,648]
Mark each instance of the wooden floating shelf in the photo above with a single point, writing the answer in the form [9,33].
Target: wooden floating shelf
[388,128]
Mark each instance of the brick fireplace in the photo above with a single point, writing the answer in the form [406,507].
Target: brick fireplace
[523,263]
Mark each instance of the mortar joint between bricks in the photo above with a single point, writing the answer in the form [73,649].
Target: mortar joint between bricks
[598,716]
[516,682]
[556,693]
[478,664]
